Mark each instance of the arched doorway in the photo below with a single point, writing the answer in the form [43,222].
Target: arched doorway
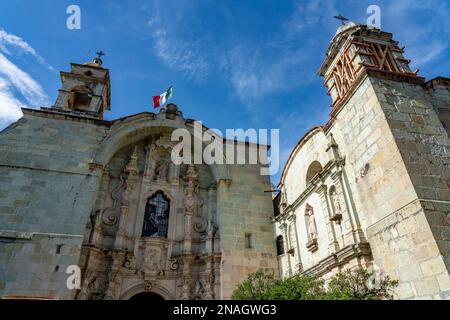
[147,296]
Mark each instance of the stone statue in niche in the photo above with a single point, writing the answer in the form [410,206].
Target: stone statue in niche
[337,213]
[337,205]
[312,228]
[162,171]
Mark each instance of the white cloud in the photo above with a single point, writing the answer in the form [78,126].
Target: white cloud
[17,88]
[9,105]
[253,67]
[183,55]
[22,81]
[425,39]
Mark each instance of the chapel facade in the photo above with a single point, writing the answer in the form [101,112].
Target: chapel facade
[80,193]
[371,187]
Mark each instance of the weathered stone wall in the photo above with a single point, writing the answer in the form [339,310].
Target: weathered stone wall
[50,168]
[243,207]
[397,153]
[439,92]
[46,194]
[425,149]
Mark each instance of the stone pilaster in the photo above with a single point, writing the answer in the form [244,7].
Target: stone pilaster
[333,244]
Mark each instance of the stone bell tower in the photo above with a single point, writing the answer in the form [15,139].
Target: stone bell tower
[386,123]
[85,90]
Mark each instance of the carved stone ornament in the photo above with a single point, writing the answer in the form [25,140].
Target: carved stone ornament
[162,171]
[174,264]
[312,245]
[185,288]
[337,213]
[312,228]
[199,290]
[148,285]
[109,216]
[165,142]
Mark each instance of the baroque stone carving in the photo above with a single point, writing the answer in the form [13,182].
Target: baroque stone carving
[209,287]
[94,286]
[199,290]
[185,288]
[337,210]
[127,182]
[162,171]
[312,229]
[108,215]
[148,285]
[152,260]
[174,264]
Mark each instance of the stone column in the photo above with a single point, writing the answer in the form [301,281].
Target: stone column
[94,106]
[333,244]
[283,227]
[211,219]
[189,206]
[351,229]
[293,218]
[61,100]
[174,174]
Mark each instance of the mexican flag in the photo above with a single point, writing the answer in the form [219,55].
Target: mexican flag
[162,98]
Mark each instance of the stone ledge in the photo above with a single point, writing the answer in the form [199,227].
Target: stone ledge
[339,258]
[17,235]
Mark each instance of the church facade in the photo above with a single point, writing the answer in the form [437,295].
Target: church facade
[79,193]
[371,187]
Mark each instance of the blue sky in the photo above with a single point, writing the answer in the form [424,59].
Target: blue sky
[233,64]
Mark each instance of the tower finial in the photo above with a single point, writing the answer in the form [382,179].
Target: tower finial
[97,61]
[341,18]
[100,54]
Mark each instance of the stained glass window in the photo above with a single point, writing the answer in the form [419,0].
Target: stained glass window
[156,218]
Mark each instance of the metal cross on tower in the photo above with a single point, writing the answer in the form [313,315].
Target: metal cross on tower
[341,18]
[100,54]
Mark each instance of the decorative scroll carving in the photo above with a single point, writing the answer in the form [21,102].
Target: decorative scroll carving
[174,264]
[200,227]
[127,182]
[108,215]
